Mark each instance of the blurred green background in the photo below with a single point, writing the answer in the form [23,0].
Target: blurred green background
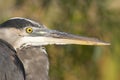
[93,18]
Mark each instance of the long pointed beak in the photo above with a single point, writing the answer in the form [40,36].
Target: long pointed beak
[46,36]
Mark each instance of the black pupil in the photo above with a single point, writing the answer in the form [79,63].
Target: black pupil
[29,29]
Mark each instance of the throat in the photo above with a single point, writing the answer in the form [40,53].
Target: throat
[35,60]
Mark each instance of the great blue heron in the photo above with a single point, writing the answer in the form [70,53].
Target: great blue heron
[17,35]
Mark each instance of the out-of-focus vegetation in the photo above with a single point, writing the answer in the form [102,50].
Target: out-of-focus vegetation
[93,18]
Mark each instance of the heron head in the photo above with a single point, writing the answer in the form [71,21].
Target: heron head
[22,32]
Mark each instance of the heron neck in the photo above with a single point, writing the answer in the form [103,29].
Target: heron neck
[8,36]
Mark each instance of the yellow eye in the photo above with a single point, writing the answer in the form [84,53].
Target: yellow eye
[29,30]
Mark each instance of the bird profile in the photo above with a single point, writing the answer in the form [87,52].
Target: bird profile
[27,38]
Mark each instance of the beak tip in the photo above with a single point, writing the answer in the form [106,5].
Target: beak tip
[108,44]
[105,43]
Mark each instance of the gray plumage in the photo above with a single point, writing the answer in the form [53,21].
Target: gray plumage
[27,37]
[11,68]
[36,64]
[35,59]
